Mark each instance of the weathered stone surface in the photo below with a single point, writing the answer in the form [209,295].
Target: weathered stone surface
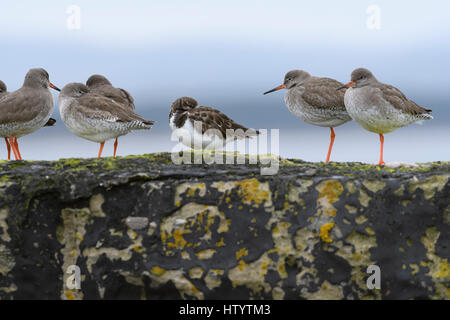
[221,231]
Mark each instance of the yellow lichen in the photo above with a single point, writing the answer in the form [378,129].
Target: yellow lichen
[205,254]
[329,192]
[241,265]
[240,253]
[438,266]
[253,192]
[364,198]
[325,232]
[196,272]
[220,243]
[158,271]
[374,185]
[361,219]
[3,215]
[429,186]
[369,231]
[191,217]
[69,295]
[189,189]
[443,270]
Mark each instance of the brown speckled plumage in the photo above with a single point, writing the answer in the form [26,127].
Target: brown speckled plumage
[186,108]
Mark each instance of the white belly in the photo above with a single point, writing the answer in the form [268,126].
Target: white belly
[192,138]
[323,117]
[96,130]
[379,117]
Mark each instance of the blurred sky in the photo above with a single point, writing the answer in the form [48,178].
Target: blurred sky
[226,55]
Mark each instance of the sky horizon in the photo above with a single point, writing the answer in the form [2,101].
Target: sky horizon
[226,55]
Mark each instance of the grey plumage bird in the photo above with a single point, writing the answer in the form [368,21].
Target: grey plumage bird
[379,107]
[315,101]
[27,109]
[95,117]
[100,85]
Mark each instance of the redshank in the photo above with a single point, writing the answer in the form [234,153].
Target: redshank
[4,92]
[315,101]
[3,89]
[95,117]
[100,85]
[27,109]
[206,127]
[378,107]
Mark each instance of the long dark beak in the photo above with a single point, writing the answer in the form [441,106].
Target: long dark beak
[275,89]
[348,85]
[53,87]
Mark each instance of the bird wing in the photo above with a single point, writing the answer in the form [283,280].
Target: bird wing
[96,106]
[128,98]
[322,93]
[399,101]
[213,119]
[120,96]
[16,106]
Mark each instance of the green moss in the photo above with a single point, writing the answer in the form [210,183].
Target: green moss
[67,163]
[156,160]
[5,178]
[15,164]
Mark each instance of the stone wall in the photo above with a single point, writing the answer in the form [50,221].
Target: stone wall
[140,227]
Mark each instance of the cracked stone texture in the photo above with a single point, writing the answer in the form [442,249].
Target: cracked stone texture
[140,227]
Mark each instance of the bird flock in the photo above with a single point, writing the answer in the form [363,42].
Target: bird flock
[98,111]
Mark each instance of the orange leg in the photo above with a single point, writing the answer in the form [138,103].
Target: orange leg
[101,149]
[13,146]
[331,144]
[16,144]
[9,148]
[381,150]
[115,146]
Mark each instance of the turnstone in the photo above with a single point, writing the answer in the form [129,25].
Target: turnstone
[204,127]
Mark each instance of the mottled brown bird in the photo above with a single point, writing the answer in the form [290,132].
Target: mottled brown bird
[204,125]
